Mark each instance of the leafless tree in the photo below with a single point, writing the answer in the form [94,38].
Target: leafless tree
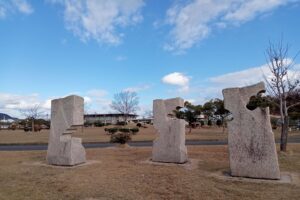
[125,102]
[148,114]
[281,84]
[32,114]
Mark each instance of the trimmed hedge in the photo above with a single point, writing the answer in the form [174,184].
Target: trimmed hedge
[121,135]
[122,130]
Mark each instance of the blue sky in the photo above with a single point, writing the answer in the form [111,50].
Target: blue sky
[160,49]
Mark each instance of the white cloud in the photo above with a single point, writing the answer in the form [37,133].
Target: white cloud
[23,6]
[250,9]
[100,20]
[177,79]
[13,103]
[87,100]
[13,6]
[241,78]
[137,88]
[214,86]
[251,76]
[99,93]
[97,101]
[144,110]
[193,21]
[2,12]
[47,104]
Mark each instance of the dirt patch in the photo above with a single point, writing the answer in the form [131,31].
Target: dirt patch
[191,164]
[286,178]
[44,164]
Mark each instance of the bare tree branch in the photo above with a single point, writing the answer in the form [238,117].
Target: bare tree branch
[32,114]
[125,102]
[280,85]
[293,105]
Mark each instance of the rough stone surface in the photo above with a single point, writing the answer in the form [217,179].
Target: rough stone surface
[251,143]
[170,144]
[66,115]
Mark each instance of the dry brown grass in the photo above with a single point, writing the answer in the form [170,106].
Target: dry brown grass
[123,175]
[99,135]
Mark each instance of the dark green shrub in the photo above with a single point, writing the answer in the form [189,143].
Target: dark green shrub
[87,124]
[209,122]
[258,101]
[134,131]
[202,123]
[138,124]
[124,130]
[121,123]
[98,124]
[274,122]
[111,130]
[27,128]
[219,123]
[120,137]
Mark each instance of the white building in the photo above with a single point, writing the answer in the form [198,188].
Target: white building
[108,118]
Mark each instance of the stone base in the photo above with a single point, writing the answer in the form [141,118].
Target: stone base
[71,153]
[285,178]
[190,164]
[44,164]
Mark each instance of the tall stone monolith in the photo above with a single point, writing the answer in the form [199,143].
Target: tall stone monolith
[170,144]
[66,116]
[251,143]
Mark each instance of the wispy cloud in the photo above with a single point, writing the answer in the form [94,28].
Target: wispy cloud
[8,7]
[100,20]
[13,103]
[138,88]
[213,86]
[194,20]
[99,93]
[177,79]
[97,101]
[251,76]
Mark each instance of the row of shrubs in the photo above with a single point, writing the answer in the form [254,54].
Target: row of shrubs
[101,124]
[122,130]
[96,124]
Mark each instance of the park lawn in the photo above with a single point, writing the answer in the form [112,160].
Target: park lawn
[121,173]
[97,134]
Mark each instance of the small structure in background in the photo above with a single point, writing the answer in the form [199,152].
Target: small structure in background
[108,118]
[66,116]
[170,144]
[251,143]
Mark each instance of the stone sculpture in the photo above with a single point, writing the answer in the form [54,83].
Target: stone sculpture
[251,143]
[66,116]
[170,144]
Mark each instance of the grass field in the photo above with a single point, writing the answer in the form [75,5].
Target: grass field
[121,173]
[99,135]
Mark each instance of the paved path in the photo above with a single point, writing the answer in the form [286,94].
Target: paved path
[31,147]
